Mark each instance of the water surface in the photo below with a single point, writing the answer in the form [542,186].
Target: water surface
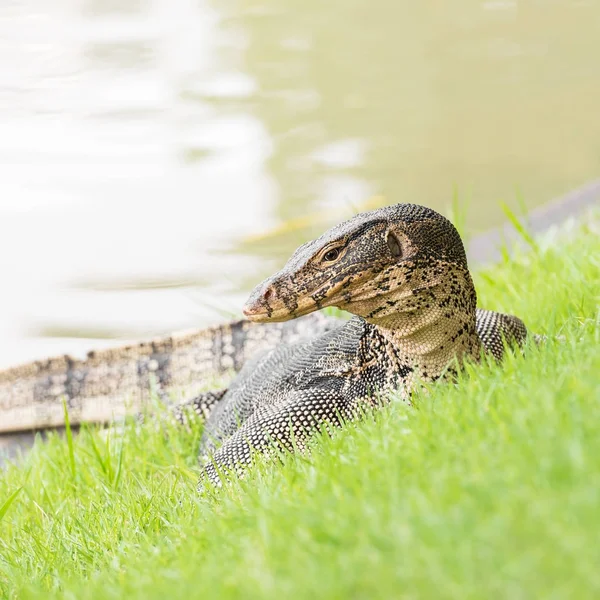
[157,158]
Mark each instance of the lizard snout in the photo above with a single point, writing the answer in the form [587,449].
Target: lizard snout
[260,302]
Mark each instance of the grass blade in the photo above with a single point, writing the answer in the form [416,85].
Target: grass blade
[457,213]
[119,463]
[69,435]
[519,227]
[4,508]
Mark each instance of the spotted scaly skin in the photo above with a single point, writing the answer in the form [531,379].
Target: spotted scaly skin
[402,271]
[117,381]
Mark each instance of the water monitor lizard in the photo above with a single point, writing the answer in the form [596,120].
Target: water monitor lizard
[402,272]
[112,382]
[116,381]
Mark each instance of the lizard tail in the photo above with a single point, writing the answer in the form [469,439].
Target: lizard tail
[118,381]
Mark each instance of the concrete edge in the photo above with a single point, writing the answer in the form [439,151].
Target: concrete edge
[486,247]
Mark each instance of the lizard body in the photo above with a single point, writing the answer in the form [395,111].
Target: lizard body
[402,271]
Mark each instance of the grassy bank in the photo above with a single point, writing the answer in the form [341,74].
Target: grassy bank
[488,489]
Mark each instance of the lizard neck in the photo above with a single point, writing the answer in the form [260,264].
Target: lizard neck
[432,328]
[430,347]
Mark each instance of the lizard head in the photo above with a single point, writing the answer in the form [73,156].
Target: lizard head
[379,264]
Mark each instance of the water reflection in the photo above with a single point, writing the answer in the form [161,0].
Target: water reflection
[488,96]
[157,158]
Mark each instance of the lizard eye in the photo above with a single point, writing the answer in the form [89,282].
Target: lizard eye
[331,255]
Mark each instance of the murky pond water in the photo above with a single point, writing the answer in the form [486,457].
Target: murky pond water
[158,157]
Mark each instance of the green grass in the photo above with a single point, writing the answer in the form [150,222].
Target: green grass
[486,489]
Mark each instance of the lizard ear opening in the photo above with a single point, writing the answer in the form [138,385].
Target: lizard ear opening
[394,245]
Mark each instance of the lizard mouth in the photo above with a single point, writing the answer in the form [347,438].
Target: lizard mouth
[261,312]
[356,298]
[269,307]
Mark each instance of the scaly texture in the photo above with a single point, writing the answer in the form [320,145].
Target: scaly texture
[402,271]
[116,381]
